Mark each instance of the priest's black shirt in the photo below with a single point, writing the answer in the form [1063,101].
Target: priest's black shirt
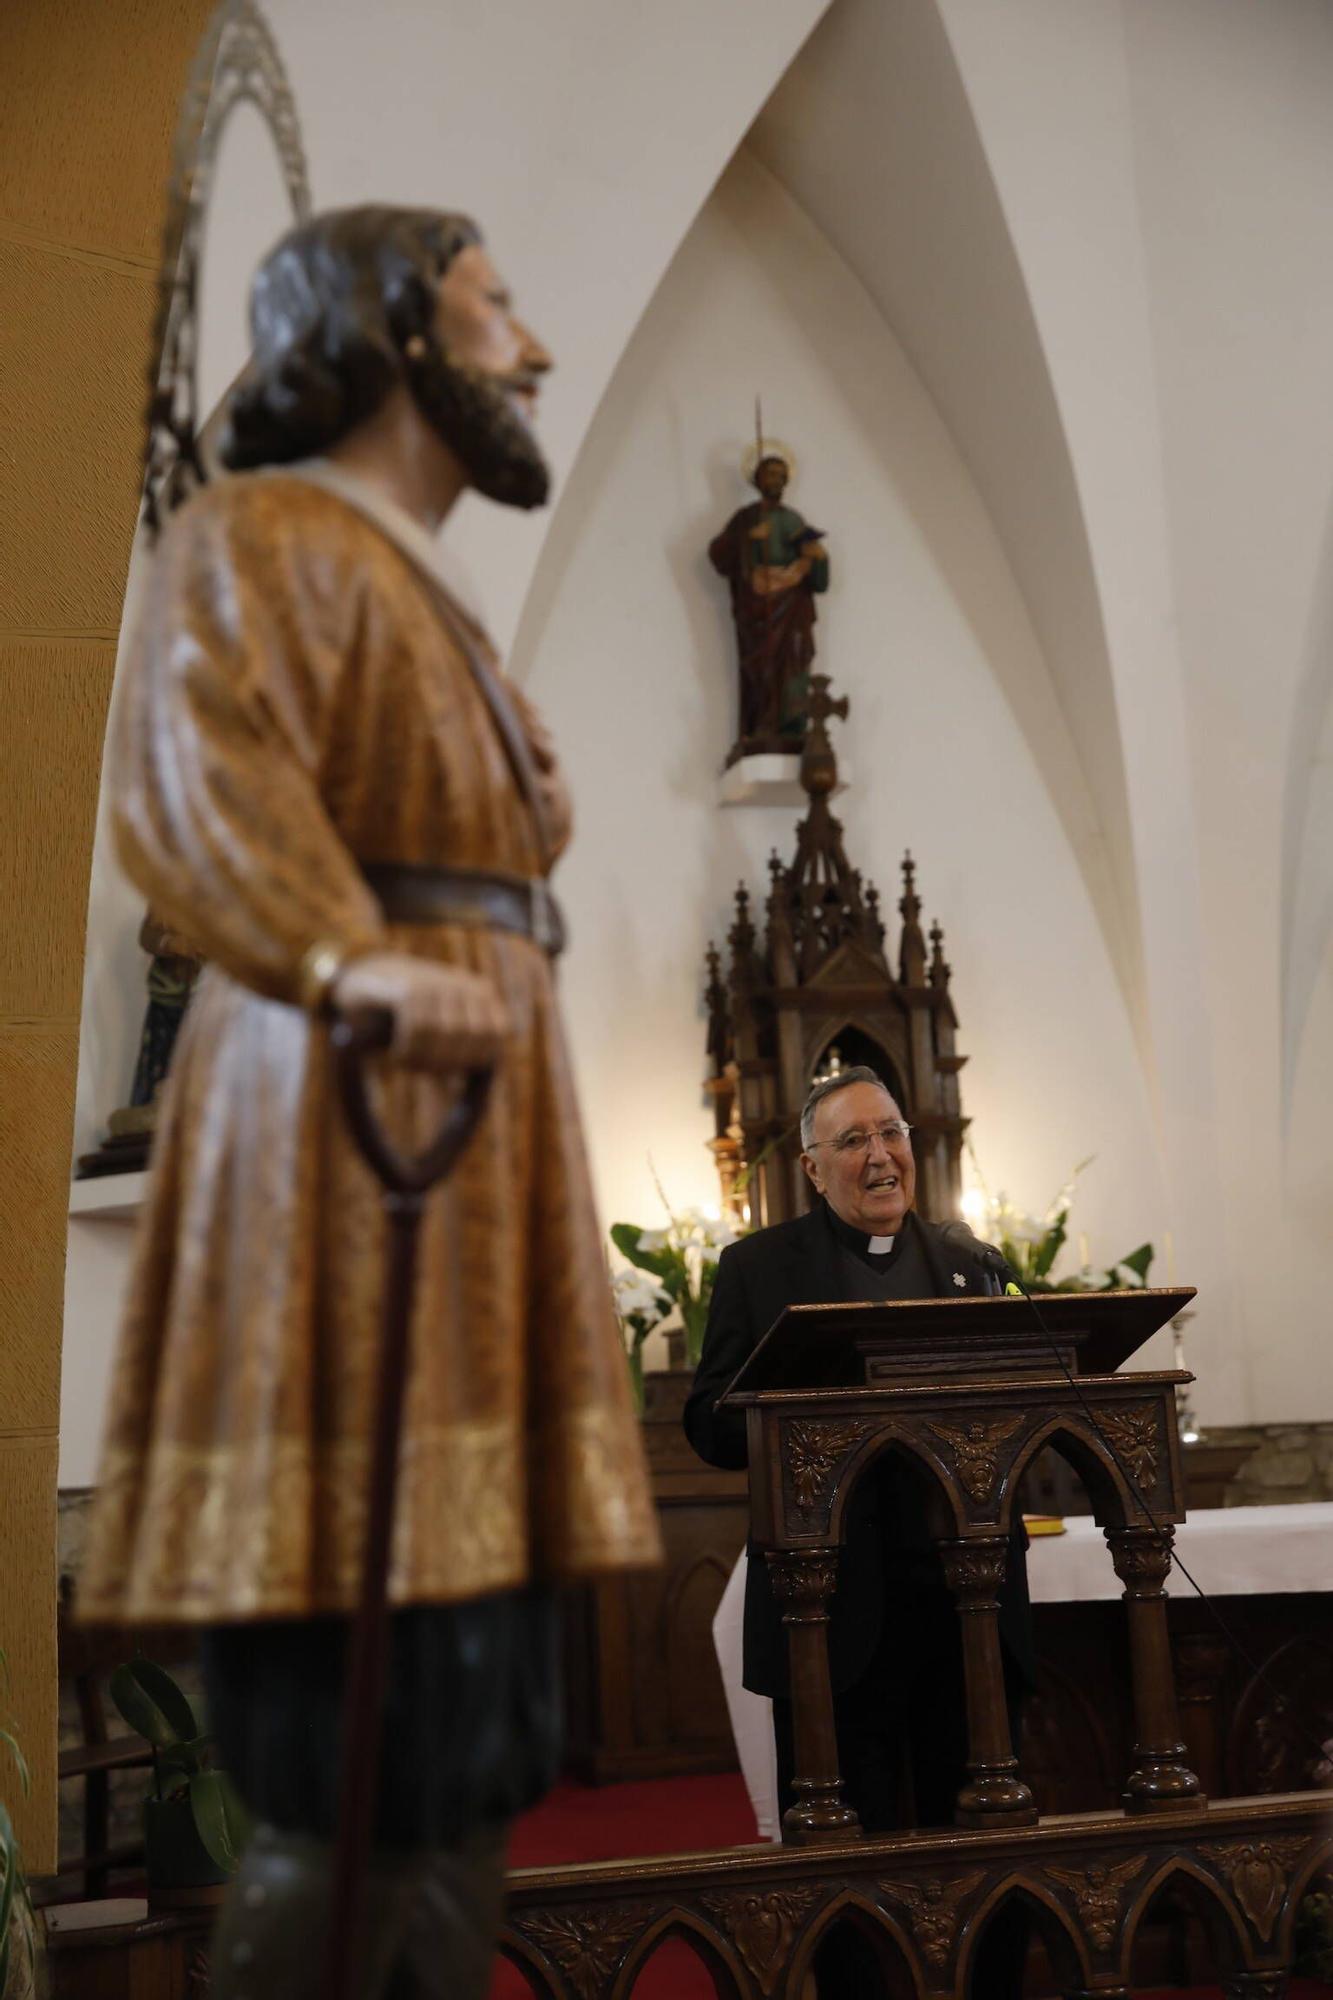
[888,1564]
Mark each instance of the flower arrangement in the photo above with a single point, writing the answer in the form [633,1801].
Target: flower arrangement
[1031,1244]
[670,1279]
[641,1304]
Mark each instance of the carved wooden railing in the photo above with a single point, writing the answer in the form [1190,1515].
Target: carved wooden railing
[756,1915]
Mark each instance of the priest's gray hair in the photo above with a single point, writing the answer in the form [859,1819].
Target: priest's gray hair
[860,1073]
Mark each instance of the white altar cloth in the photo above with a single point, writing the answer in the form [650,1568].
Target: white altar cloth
[1230,1551]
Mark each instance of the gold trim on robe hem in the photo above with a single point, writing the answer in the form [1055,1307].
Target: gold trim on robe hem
[196,1565]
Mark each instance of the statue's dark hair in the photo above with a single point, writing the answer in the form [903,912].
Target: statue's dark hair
[331,309]
[769,458]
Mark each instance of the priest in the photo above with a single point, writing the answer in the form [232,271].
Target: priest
[895,1652]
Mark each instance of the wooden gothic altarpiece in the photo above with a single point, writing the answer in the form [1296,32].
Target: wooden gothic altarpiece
[817,991]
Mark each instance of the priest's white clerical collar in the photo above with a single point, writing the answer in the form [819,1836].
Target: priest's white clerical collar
[880,1246]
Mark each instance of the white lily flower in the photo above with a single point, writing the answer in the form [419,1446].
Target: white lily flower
[637,1292]
[654,1239]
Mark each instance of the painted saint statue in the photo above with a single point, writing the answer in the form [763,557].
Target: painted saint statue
[776,567]
[326,779]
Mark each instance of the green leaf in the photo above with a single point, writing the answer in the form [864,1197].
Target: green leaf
[635,1360]
[8,1737]
[1139,1262]
[662,1263]
[187,1758]
[1050,1246]
[695,1315]
[152,1703]
[217,1817]
[13,1867]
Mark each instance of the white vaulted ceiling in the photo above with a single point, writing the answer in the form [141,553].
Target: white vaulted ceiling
[871,131]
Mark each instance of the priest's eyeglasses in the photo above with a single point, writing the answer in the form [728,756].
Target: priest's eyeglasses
[857,1141]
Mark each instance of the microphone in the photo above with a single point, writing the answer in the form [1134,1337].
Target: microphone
[959,1237]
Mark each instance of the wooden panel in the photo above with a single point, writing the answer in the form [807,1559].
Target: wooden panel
[74,341]
[87,115]
[55,697]
[88,102]
[644,1694]
[36,1114]
[28,1633]
[163,1958]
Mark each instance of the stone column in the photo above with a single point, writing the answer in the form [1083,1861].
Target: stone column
[803,1581]
[994,1794]
[1160,1781]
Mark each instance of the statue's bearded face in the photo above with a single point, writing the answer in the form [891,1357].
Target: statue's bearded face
[771,476]
[477,382]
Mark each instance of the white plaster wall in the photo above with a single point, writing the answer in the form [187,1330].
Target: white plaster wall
[1167,176]
[582,136]
[631,651]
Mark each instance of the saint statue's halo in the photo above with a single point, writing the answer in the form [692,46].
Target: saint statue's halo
[767,448]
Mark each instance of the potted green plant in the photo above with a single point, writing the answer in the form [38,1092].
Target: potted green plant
[194,1823]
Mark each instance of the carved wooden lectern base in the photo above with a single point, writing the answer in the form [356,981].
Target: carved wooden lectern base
[971,1390]
[972,1393]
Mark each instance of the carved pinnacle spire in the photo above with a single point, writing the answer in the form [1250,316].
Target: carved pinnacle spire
[716,1000]
[777,885]
[742,931]
[819,766]
[872,912]
[940,968]
[912,945]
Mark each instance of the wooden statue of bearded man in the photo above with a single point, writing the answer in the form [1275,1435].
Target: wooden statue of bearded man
[322,779]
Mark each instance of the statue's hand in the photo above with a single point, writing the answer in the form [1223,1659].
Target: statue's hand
[444,1016]
[759,532]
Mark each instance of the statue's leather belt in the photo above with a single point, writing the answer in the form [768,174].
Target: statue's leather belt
[410,894]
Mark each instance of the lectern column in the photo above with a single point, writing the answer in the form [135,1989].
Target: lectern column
[803,1581]
[1161,1780]
[994,1794]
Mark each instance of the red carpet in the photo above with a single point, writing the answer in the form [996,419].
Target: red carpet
[675,1816]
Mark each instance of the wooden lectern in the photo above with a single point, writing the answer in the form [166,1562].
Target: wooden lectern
[972,1388]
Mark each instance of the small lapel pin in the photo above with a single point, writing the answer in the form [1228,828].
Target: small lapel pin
[960,1280]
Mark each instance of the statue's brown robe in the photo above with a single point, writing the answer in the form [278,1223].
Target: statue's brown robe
[297,702]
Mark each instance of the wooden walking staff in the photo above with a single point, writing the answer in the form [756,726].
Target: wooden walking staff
[405,1184]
